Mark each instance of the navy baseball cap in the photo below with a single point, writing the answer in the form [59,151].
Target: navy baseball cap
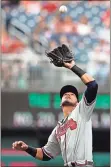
[68,88]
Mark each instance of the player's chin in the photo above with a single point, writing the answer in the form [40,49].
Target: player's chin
[67,103]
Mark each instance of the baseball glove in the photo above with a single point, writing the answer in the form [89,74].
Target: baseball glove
[60,55]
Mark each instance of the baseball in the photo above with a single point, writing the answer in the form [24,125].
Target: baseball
[63,9]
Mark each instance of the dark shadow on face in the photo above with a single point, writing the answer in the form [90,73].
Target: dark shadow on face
[69,99]
[68,103]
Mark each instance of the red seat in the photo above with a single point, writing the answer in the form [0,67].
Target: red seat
[23,164]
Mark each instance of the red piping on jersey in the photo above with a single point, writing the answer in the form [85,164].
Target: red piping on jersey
[65,149]
[49,155]
[88,104]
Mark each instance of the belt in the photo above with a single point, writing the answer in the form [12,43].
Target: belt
[75,164]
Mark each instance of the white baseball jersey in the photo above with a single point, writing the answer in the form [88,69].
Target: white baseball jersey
[72,137]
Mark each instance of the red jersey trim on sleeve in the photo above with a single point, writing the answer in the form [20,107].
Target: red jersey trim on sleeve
[88,104]
[48,154]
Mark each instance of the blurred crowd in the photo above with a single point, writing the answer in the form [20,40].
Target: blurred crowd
[31,27]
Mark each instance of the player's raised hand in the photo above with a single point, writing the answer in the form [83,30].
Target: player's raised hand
[19,145]
[69,65]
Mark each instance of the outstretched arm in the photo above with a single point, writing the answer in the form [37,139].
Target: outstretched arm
[78,71]
[49,151]
[35,152]
[87,102]
[89,81]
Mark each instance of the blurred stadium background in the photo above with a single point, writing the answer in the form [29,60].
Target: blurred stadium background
[30,84]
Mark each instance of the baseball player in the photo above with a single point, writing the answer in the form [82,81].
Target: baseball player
[72,137]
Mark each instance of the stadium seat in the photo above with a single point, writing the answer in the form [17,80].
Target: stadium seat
[22,164]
